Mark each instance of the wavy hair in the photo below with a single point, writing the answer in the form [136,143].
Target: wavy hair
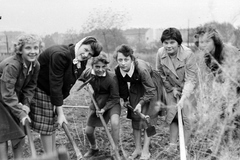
[126,50]
[101,58]
[26,39]
[217,40]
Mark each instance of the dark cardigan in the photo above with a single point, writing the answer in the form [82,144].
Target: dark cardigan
[58,73]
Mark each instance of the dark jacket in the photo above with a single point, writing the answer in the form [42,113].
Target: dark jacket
[145,88]
[58,73]
[105,88]
[141,78]
[16,85]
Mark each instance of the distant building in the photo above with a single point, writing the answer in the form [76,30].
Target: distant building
[8,39]
[153,35]
[135,35]
[3,46]
[149,35]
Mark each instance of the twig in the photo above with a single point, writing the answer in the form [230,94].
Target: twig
[84,138]
[71,106]
[76,130]
[120,141]
[225,72]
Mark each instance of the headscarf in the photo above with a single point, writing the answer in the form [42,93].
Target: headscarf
[77,46]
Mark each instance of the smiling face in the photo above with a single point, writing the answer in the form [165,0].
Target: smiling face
[84,52]
[124,62]
[30,52]
[171,46]
[206,43]
[99,68]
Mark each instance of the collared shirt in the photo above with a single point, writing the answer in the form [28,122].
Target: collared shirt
[29,69]
[130,72]
[183,73]
[93,73]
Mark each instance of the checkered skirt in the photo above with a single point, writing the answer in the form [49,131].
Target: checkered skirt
[43,114]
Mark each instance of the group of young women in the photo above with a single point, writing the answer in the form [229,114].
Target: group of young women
[33,86]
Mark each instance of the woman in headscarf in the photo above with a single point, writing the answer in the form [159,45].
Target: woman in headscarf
[60,67]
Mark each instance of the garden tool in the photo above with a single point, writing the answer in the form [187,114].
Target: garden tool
[181,134]
[90,91]
[85,83]
[76,149]
[30,139]
[61,154]
[151,129]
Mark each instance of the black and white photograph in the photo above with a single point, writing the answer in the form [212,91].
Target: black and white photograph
[119,80]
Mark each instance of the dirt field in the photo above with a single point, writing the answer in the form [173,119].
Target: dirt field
[77,120]
[213,137]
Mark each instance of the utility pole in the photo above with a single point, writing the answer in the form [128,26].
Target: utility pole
[7,45]
[139,35]
[188,33]
[7,42]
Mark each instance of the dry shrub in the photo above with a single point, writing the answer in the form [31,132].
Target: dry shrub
[215,118]
[216,127]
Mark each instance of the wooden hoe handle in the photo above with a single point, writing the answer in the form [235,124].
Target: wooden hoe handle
[181,134]
[90,91]
[75,147]
[30,139]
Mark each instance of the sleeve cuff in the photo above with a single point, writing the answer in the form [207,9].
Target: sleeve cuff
[21,115]
[141,102]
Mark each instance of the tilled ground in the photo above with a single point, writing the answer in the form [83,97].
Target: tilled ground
[77,118]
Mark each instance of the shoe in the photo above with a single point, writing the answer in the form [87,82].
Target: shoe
[145,157]
[90,153]
[133,156]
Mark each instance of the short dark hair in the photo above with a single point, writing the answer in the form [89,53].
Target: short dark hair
[172,33]
[102,57]
[125,50]
[95,45]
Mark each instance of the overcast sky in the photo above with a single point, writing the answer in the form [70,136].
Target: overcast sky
[49,16]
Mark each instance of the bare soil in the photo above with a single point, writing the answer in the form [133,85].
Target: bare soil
[77,118]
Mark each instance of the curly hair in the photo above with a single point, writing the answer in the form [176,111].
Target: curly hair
[125,50]
[28,38]
[215,36]
[101,58]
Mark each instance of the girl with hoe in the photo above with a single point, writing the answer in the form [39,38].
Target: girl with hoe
[177,66]
[106,94]
[17,84]
[140,86]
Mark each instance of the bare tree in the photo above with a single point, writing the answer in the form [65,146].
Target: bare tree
[108,22]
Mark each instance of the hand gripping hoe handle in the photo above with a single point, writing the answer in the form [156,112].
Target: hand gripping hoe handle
[90,91]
